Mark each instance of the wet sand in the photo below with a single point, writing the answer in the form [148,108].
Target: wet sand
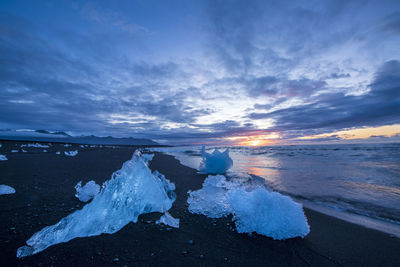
[45,184]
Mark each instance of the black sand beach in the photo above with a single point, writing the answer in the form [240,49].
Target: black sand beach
[44,184]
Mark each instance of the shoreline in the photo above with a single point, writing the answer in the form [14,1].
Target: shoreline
[45,193]
[381,225]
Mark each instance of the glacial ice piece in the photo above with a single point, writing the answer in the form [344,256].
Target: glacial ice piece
[216,162]
[3,157]
[88,191]
[254,208]
[35,145]
[147,157]
[211,200]
[58,152]
[14,151]
[67,145]
[167,219]
[71,153]
[44,150]
[131,191]
[5,189]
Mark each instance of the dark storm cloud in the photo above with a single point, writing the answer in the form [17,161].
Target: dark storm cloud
[45,87]
[380,106]
[276,33]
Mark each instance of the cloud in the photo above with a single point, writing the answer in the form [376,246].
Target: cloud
[380,106]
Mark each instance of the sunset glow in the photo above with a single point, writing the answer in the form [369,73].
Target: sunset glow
[359,133]
[254,140]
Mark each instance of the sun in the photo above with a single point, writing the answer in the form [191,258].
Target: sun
[254,140]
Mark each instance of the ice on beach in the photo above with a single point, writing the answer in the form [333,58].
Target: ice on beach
[216,162]
[71,153]
[44,150]
[131,191]
[3,157]
[35,145]
[147,157]
[58,152]
[14,151]
[23,150]
[86,192]
[5,189]
[67,145]
[167,219]
[254,209]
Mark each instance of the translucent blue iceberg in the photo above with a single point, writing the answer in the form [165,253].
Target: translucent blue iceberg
[131,191]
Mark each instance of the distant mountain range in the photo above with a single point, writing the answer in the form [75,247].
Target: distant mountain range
[61,137]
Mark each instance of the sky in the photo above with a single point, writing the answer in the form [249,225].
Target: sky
[203,72]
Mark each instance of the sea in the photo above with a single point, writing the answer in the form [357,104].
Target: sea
[359,183]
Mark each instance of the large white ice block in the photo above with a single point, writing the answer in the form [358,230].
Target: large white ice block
[254,208]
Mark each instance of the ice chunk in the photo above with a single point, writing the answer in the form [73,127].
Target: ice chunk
[5,189]
[14,151]
[211,200]
[35,145]
[88,191]
[67,145]
[131,191]
[3,157]
[267,213]
[167,219]
[147,157]
[23,150]
[44,150]
[254,208]
[216,162]
[58,152]
[71,153]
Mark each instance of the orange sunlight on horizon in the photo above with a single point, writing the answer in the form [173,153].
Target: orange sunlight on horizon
[359,133]
[254,140]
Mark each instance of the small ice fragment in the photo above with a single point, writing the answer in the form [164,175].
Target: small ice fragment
[5,189]
[23,150]
[167,219]
[216,162]
[147,157]
[131,191]
[86,192]
[44,150]
[3,157]
[35,145]
[14,151]
[71,153]
[58,152]
[67,145]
